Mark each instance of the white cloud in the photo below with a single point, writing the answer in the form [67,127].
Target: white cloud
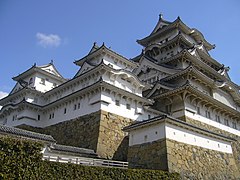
[2,95]
[48,40]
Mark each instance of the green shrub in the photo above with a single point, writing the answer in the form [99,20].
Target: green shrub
[22,159]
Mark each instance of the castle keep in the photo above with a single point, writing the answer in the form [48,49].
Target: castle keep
[173,107]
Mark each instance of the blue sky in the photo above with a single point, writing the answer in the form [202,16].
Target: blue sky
[39,31]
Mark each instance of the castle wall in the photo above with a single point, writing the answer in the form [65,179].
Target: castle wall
[226,132]
[191,162]
[194,162]
[150,155]
[100,131]
[112,141]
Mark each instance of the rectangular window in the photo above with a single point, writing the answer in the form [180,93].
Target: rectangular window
[117,103]
[217,118]
[149,116]
[128,106]
[168,108]
[65,110]
[79,105]
[145,138]
[50,116]
[207,114]
[198,110]
[75,107]
[234,125]
[38,117]
[226,122]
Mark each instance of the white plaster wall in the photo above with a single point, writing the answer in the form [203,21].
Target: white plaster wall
[147,134]
[123,84]
[136,112]
[86,107]
[224,98]
[165,130]
[116,64]
[193,138]
[213,123]
[43,87]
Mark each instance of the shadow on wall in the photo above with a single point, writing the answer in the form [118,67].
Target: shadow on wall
[122,150]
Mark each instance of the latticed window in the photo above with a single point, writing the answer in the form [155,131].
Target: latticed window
[234,125]
[198,110]
[217,118]
[226,122]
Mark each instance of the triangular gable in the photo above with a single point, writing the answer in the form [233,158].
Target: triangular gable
[84,68]
[145,63]
[160,24]
[50,68]
[18,86]
[158,89]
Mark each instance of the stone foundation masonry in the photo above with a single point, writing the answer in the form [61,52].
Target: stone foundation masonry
[192,162]
[100,131]
[235,144]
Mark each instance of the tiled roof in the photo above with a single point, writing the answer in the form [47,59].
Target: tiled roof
[71,149]
[24,133]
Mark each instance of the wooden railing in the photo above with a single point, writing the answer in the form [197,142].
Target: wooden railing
[87,161]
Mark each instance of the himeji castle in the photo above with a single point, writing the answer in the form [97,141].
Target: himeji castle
[172,107]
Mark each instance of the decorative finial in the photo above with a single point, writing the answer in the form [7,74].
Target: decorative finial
[160,16]
[95,43]
[103,44]
[51,61]
[34,65]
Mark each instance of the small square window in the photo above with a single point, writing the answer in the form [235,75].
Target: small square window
[145,138]
[117,103]
[128,106]
[42,81]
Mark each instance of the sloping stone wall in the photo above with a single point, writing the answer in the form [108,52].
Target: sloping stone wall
[152,155]
[80,132]
[193,162]
[100,131]
[112,141]
[235,145]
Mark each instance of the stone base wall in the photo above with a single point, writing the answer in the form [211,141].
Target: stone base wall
[193,162]
[112,141]
[235,145]
[100,131]
[80,132]
[152,155]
